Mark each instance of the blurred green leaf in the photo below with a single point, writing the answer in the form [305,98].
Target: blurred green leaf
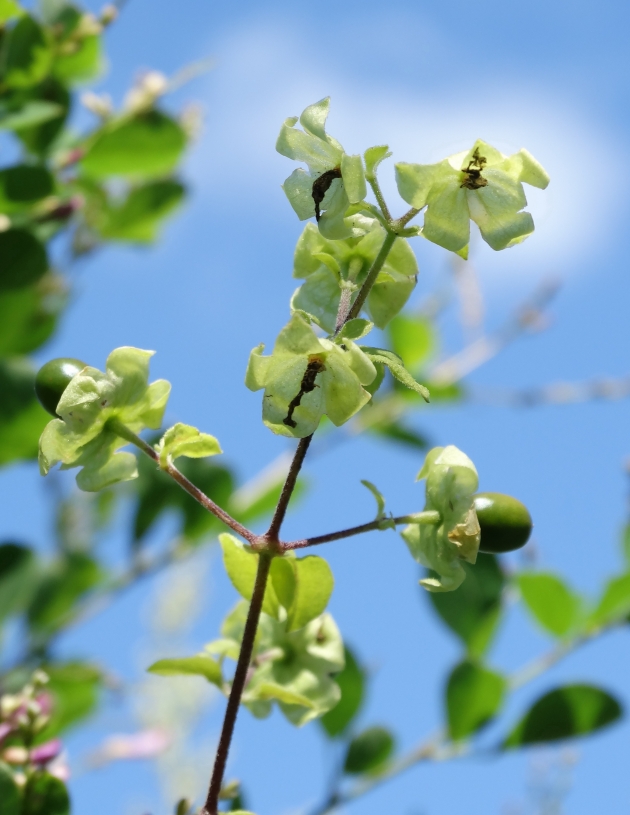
[253,505]
[413,339]
[18,571]
[23,259]
[351,682]
[148,144]
[141,215]
[79,57]
[199,665]
[9,9]
[473,696]
[27,54]
[67,581]
[399,432]
[39,136]
[614,603]
[22,185]
[552,603]
[75,688]
[28,316]
[10,798]
[573,710]
[46,795]
[369,751]
[474,610]
[29,114]
[22,418]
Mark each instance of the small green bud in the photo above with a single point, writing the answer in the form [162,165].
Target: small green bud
[53,378]
[505,522]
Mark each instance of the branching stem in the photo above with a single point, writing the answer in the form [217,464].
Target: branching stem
[370,280]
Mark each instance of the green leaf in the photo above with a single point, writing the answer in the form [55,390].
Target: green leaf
[354,330]
[18,571]
[140,216]
[474,610]
[23,185]
[555,607]
[46,795]
[9,9]
[184,440]
[75,688]
[313,586]
[241,565]
[23,259]
[351,683]
[67,581]
[401,433]
[147,145]
[200,665]
[397,369]
[30,114]
[83,63]
[373,157]
[27,55]
[22,418]
[40,135]
[569,711]
[369,751]
[10,798]
[614,603]
[413,339]
[474,694]
[28,316]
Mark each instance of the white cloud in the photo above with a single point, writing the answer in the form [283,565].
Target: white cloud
[271,71]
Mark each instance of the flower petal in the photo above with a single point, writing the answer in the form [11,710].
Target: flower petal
[353,178]
[446,221]
[416,181]
[496,210]
[298,188]
[522,166]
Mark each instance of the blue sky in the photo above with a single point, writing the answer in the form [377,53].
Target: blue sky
[427,79]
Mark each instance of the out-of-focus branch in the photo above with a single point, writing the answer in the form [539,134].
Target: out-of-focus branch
[557,393]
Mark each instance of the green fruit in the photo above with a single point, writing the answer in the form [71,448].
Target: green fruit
[53,378]
[505,522]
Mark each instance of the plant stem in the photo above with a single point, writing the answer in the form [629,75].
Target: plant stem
[287,490]
[376,189]
[238,683]
[370,280]
[428,517]
[199,496]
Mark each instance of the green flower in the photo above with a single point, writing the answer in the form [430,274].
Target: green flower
[451,484]
[334,180]
[328,266]
[481,184]
[306,377]
[292,669]
[83,436]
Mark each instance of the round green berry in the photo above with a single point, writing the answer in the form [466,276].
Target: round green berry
[53,378]
[504,521]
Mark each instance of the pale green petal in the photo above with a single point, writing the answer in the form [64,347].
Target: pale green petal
[332,224]
[446,221]
[355,359]
[82,402]
[353,178]
[257,369]
[388,296]
[319,154]
[373,157]
[342,390]
[324,644]
[401,258]
[129,369]
[522,166]
[319,296]
[416,181]
[96,476]
[150,409]
[491,154]
[313,118]
[297,337]
[283,385]
[299,190]
[184,440]
[310,243]
[495,209]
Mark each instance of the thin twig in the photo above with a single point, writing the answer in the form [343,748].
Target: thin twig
[287,490]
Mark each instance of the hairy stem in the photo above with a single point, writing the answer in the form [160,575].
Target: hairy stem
[238,683]
[427,517]
[199,496]
[376,189]
[370,280]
